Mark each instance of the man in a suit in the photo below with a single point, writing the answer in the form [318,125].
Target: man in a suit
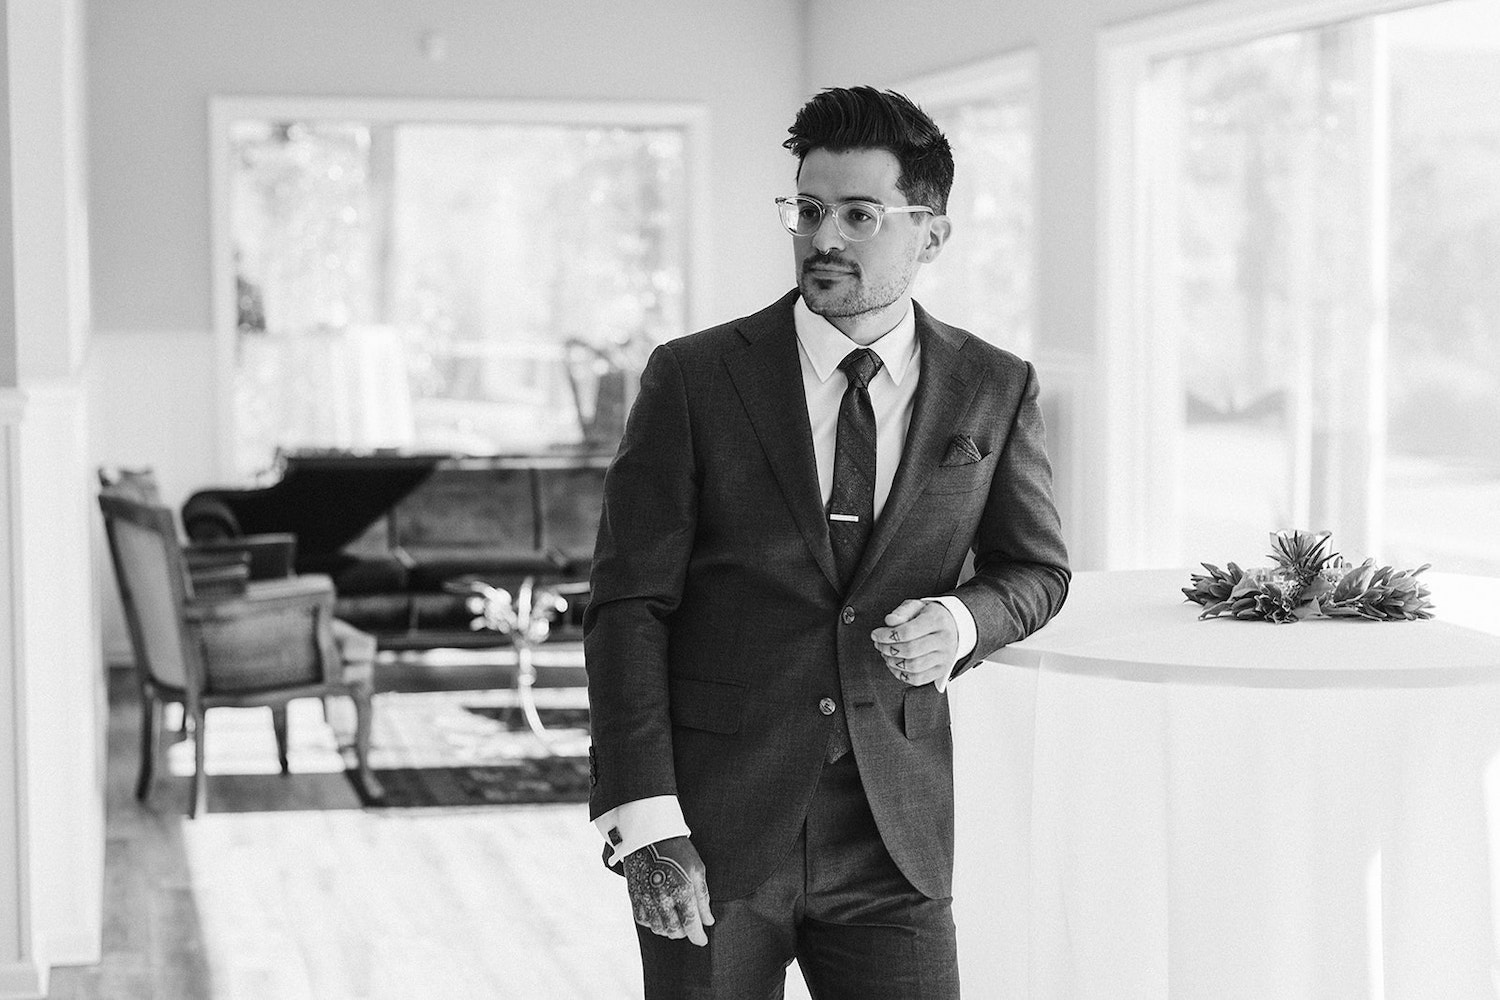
[777,615]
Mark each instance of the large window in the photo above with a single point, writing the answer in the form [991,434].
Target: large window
[462,284]
[1317,324]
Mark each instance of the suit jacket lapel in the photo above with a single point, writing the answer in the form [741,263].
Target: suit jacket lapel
[767,374]
[943,395]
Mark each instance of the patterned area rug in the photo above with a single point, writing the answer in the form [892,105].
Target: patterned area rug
[474,748]
[448,748]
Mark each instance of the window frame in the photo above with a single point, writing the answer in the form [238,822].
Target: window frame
[224,111]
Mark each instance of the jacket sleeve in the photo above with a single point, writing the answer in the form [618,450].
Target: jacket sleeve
[1021,570]
[640,564]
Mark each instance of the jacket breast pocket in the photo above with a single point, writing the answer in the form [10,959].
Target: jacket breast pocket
[711,705]
[963,478]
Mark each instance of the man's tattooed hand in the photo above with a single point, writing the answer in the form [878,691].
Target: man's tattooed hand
[669,890]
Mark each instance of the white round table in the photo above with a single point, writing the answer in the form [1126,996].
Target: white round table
[1156,807]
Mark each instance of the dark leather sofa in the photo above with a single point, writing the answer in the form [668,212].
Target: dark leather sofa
[400,534]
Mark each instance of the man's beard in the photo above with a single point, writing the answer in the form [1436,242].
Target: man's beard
[855,298]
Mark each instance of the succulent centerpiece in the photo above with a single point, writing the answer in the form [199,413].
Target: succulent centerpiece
[1309,580]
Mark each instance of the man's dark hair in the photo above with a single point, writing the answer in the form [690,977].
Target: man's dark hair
[844,118]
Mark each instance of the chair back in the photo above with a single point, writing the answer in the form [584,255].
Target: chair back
[132,484]
[154,586]
[270,555]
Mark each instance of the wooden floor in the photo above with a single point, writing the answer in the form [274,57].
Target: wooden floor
[288,889]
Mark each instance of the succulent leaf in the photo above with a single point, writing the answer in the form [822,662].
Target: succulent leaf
[1214,586]
[1380,594]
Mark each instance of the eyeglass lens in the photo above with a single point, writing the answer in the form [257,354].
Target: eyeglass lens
[857,220]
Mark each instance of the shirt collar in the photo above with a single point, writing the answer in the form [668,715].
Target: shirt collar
[826,345]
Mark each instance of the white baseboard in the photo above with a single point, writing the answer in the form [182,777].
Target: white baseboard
[23,981]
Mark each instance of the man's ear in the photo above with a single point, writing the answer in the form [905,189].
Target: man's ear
[938,232]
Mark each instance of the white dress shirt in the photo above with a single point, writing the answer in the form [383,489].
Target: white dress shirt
[893,390]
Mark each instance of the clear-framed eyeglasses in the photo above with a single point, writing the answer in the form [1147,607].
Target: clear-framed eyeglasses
[856,221]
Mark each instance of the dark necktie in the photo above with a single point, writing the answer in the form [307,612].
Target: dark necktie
[851,505]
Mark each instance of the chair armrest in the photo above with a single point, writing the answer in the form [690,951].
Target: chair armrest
[205,559]
[218,574]
[311,590]
[269,555]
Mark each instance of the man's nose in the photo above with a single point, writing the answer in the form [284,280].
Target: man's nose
[828,236]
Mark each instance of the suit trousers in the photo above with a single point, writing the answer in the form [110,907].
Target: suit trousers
[837,904]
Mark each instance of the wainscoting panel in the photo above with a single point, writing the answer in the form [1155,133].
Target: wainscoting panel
[21,974]
[63,676]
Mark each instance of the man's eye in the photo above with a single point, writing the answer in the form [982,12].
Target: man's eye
[807,213]
[858,215]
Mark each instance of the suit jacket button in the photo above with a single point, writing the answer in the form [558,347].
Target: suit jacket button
[827,706]
[848,616]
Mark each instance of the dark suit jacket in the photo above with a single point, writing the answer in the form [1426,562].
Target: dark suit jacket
[717,623]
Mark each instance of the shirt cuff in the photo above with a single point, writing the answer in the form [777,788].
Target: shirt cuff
[968,633]
[641,822]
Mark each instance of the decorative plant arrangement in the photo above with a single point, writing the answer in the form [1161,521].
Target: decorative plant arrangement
[1310,580]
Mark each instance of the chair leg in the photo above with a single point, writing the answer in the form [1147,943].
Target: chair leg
[150,737]
[363,711]
[199,801]
[278,722]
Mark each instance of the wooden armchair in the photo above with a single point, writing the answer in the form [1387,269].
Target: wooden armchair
[268,643]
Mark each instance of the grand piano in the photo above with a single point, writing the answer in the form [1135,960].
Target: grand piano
[405,536]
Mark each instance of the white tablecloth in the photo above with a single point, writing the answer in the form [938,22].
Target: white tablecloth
[1150,806]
